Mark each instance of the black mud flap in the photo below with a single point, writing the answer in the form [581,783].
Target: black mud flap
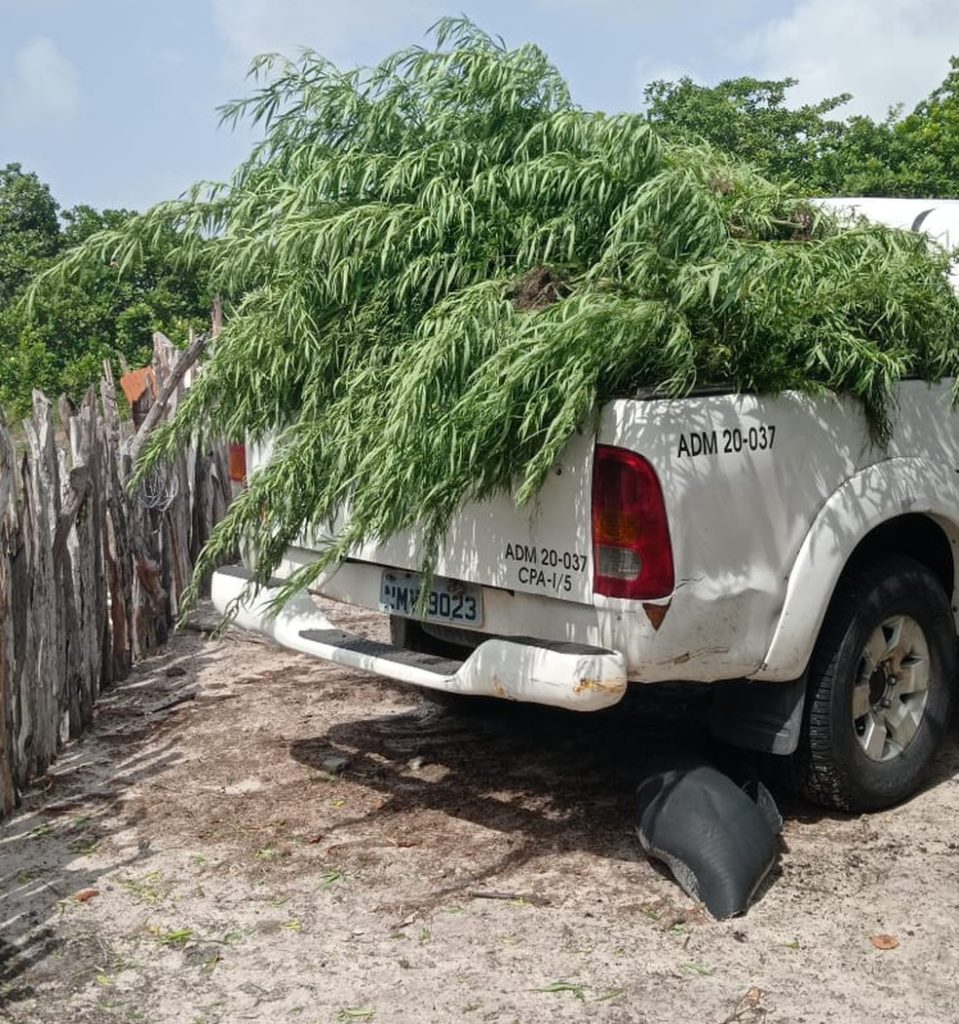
[717,831]
[759,716]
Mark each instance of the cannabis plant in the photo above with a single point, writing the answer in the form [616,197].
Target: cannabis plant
[437,269]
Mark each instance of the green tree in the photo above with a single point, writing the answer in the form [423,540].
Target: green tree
[912,155]
[749,118]
[29,229]
[58,344]
[924,156]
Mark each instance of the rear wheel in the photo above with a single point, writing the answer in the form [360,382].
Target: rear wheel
[880,688]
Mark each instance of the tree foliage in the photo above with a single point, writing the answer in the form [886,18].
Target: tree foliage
[60,343]
[913,155]
[440,267]
[749,118]
[29,229]
[924,155]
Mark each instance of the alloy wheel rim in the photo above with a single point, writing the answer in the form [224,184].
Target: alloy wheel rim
[892,688]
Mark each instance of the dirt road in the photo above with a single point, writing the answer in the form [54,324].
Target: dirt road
[248,835]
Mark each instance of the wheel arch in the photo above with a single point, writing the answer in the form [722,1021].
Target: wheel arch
[901,505]
[921,536]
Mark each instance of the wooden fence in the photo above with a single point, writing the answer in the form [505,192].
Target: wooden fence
[90,574]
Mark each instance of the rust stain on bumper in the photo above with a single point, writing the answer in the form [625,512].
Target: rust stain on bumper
[599,686]
[499,689]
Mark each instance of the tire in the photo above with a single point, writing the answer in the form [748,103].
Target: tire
[880,688]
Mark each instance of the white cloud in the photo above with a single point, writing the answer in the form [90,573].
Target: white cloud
[882,51]
[332,28]
[43,83]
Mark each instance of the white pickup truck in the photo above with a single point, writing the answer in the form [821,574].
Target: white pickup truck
[763,544]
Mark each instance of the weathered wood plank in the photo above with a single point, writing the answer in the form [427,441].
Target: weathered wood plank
[68,638]
[42,685]
[80,530]
[173,486]
[116,532]
[186,360]
[94,576]
[8,479]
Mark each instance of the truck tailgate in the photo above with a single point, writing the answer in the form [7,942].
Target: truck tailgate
[543,548]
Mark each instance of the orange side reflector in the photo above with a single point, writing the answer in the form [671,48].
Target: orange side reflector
[238,463]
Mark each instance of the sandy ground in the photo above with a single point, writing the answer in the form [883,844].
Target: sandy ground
[249,835]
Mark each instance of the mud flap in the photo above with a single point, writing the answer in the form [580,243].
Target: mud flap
[766,717]
[716,831]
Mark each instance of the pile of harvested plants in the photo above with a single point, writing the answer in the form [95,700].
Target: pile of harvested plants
[438,268]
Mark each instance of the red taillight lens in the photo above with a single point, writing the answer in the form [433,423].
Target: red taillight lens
[632,552]
[238,463]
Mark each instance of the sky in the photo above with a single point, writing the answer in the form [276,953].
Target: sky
[113,102]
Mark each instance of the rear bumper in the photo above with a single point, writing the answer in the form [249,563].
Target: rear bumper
[564,675]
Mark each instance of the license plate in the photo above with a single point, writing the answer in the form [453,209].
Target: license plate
[448,601]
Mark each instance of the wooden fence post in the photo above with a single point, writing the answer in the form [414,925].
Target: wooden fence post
[116,537]
[8,479]
[43,679]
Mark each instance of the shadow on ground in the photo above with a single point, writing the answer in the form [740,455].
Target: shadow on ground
[556,781]
[77,808]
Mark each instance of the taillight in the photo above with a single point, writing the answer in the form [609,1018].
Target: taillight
[238,463]
[632,553]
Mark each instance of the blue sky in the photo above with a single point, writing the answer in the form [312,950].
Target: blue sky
[113,101]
